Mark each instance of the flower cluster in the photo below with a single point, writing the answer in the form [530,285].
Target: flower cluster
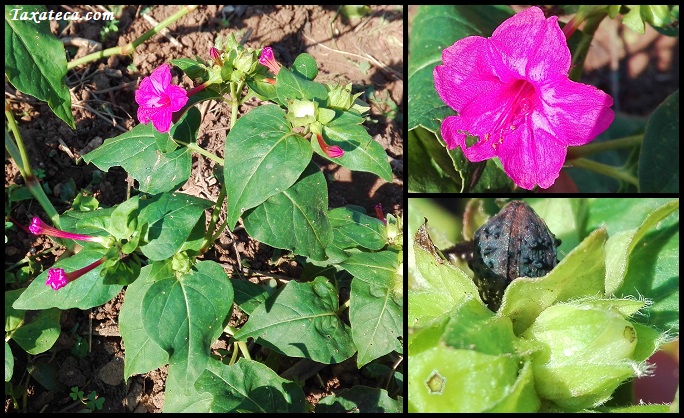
[512,92]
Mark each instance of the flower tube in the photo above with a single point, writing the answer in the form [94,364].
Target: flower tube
[38,227]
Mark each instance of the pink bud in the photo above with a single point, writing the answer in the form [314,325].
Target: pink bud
[379,214]
[215,54]
[331,151]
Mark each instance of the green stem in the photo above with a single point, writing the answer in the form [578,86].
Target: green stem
[595,148]
[343,307]
[130,47]
[18,153]
[192,146]
[234,105]
[606,170]
[580,52]
[208,241]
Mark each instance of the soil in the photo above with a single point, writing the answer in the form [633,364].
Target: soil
[367,52]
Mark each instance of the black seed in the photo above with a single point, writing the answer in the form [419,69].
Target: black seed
[521,246]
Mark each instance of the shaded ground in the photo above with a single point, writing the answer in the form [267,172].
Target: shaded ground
[367,52]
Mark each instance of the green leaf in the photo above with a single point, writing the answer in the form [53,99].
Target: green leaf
[9,362]
[658,171]
[295,219]
[263,157]
[140,154]
[193,69]
[425,175]
[620,246]
[433,29]
[291,86]
[142,353]
[35,62]
[170,219]
[34,333]
[301,321]
[187,127]
[305,66]
[362,399]
[361,152]
[353,229]
[249,386]
[375,310]
[184,315]
[85,292]
[124,219]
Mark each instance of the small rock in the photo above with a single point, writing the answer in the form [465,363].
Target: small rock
[112,373]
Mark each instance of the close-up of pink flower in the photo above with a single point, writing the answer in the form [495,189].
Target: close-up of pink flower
[58,278]
[268,60]
[158,98]
[512,92]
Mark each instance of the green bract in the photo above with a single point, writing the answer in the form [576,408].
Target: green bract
[558,342]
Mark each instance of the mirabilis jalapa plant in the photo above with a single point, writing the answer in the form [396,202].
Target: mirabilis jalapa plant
[562,342]
[176,304]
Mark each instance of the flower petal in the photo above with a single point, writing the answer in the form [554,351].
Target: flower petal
[532,156]
[161,78]
[178,97]
[577,112]
[529,46]
[466,65]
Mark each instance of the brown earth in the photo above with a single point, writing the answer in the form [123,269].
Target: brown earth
[367,52]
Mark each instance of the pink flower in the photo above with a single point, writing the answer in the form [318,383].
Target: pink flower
[158,98]
[266,59]
[38,227]
[331,151]
[57,278]
[513,92]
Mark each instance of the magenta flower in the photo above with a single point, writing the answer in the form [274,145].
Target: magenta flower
[332,151]
[38,227]
[158,98]
[266,59]
[512,91]
[57,278]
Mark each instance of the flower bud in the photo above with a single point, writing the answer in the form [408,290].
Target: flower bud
[584,353]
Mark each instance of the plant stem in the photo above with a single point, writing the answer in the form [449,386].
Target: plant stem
[234,105]
[208,241]
[196,148]
[17,151]
[589,149]
[130,47]
[604,169]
